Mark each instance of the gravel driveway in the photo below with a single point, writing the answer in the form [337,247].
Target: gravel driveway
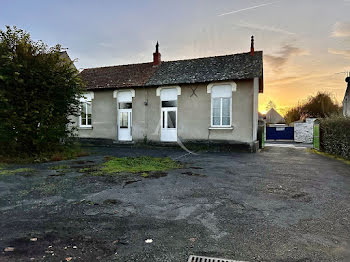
[282,204]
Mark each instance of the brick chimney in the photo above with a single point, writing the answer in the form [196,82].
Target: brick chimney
[156,56]
[252,46]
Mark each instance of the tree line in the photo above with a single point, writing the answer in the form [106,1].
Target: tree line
[319,106]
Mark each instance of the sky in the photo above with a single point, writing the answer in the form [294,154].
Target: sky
[306,43]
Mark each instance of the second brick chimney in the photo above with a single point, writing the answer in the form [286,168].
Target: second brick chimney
[252,46]
[156,56]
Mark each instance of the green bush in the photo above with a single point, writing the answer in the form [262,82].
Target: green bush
[39,90]
[335,136]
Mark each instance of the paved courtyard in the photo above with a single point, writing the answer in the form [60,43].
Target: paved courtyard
[282,204]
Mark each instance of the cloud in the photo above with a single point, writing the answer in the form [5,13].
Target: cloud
[263,28]
[345,53]
[248,8]
[287,51]
[292,79]
[341,29]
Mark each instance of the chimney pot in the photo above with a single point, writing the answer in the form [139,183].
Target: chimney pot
[252,46]
[156,56]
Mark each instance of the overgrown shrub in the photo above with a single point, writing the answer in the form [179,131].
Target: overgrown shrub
[38,93]
[335,136]
[319,106]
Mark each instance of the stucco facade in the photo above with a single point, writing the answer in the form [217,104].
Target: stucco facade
[193,114]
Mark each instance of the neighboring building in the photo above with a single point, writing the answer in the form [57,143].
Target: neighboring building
[196,100]
[273,117]
[346,101]
[64,55]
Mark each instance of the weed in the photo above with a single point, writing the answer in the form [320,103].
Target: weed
[59,167]
[68,153]
[138,164]
[63,153]
[145,175]
[330,156]
[143,165]
[91,170]
[15,171]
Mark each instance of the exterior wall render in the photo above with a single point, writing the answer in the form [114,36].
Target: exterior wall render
[104,117]
[194,115]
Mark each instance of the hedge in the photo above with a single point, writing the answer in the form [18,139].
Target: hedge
[335,136]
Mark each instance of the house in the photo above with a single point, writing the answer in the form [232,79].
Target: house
[211,99]
[346,101]
[273,117]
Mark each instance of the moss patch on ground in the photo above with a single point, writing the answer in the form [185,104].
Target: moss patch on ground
[4,171]
[138,164]
[330,156]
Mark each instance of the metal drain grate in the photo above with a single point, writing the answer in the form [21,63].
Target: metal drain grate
[209,259]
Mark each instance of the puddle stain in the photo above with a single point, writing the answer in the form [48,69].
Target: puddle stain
[190,173]
[288,193]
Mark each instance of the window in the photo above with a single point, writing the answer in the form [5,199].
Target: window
[172,103]
[171,118]
[125,105]
[123,120]
[85,114]
[85,118]
[221,106]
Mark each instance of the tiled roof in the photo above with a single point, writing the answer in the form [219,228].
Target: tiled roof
[117,76]
[200,70]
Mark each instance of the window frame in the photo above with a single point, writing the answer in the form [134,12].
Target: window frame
[210,86]
[221,116]
[86,102]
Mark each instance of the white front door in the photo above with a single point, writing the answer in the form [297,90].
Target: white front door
[169,124]
[124,125]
